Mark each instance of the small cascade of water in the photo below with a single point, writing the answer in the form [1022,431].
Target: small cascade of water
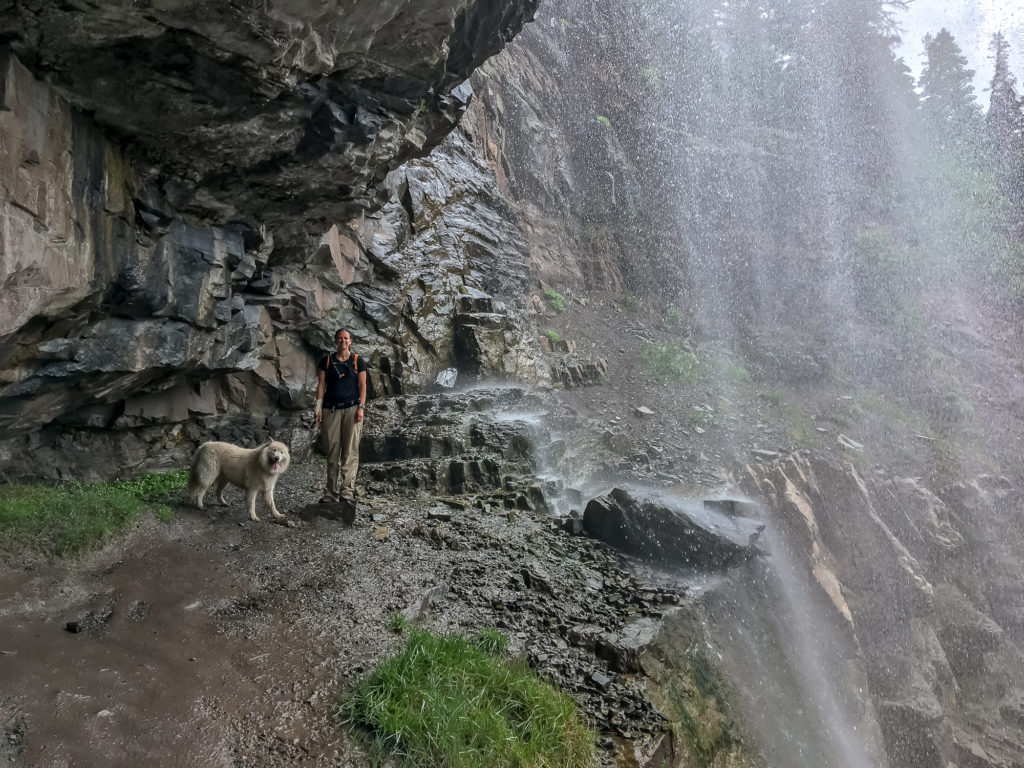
[780,642]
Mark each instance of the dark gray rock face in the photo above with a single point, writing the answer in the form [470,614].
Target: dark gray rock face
[282,114]
[675,537]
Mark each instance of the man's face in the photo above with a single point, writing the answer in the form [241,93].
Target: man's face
[343,340]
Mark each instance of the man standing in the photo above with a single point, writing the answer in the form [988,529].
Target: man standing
[341,392]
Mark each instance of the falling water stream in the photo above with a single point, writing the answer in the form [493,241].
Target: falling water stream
[776,155]
[782,648]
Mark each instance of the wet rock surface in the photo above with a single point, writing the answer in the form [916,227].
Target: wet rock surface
[940,642]
[192,299]
[654,532]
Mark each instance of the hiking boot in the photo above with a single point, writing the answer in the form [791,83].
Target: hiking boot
[348,510]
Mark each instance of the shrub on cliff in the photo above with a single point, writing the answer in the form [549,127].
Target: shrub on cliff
[555,299]
[667,363]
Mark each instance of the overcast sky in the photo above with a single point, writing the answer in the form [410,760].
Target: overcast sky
[972,23]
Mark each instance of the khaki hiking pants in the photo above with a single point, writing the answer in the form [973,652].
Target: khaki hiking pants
[340,433]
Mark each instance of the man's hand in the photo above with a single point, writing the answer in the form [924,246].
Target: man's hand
[318,412]
[359,414]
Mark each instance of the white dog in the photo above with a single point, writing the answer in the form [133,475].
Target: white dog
[253,469]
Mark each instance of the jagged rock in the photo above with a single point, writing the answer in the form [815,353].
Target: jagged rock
[600,679]
[149,302]
[618,442]
[921,520]
[536,577]
[345,511]
[623,651]
[580,374]
[965,632]
[432,598]
[1012,709]
[671,536]
[847,442]
[563,346]
[452,443]
[740,507]
[989,512]
[914,730]
[447,377]
[934,645]
[572,523]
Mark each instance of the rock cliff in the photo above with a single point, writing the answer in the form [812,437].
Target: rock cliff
[278,115]
[921,583]
[196,195]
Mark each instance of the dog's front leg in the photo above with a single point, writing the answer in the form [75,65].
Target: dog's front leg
[270,503]
[250,498]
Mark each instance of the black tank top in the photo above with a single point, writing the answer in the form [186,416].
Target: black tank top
[341,379]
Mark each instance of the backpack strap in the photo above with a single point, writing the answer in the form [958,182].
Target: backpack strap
[355,362]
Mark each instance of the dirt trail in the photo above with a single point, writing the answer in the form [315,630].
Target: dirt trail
[172,646]
[139,676]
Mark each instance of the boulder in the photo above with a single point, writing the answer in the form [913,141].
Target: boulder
[691,536]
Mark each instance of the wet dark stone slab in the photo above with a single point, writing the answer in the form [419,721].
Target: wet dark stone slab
[345,511]
[692,537]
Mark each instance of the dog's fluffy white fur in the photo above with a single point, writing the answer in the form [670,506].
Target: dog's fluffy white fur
[253,469]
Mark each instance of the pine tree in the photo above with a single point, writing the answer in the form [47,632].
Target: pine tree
[1005,121]
[947,95]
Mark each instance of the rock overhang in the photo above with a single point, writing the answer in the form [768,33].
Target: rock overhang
[275,113]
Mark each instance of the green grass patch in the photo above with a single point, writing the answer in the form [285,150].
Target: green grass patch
[603,121]
[555,300]
[452,701]
[675,317]
[551,334]
[698,417]
[729,368]
[61,520]
[802,429]
[398,623]
[670,363]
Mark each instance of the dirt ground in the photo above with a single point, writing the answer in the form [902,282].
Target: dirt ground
[204,641]
[211,640]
